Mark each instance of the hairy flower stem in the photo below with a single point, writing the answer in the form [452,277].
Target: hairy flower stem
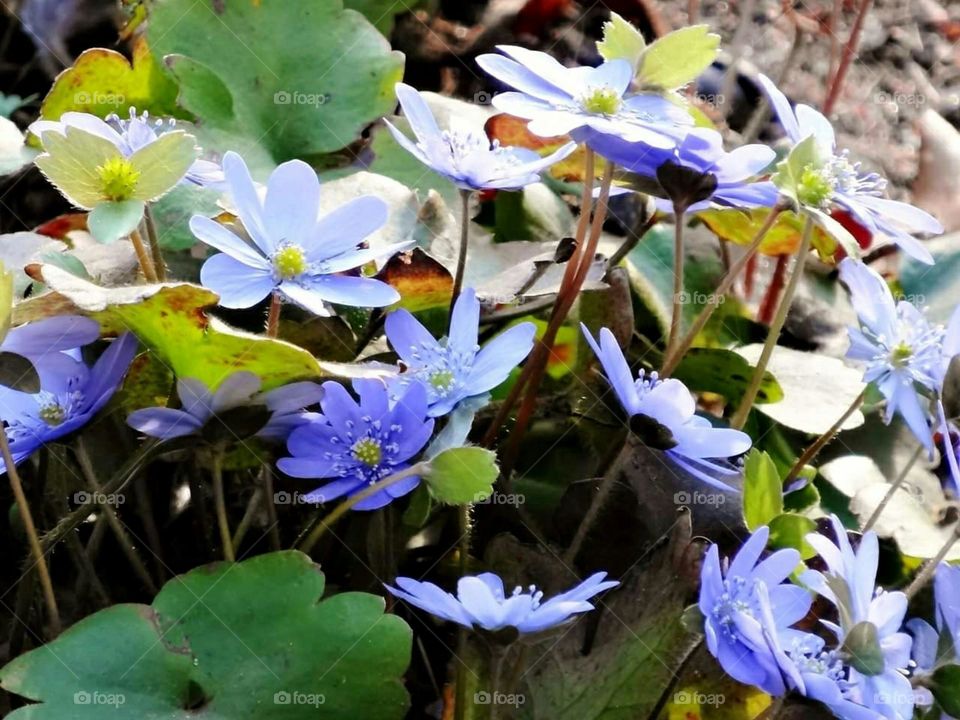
[849,50]
[146,264]
[671,361]
[220,504]
[463,518]
[894,486]
[569,273]
[740,416]
[273,315]
[930,566]
[565,301]
[43,571]
[807,456]
[676,317]
[117,527]
[607,482]
[156,252]
[464,242]
[343,508]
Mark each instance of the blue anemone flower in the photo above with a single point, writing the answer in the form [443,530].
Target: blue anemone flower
[292,251]
[734,601]
[850,583]
[50,335]
[130,135]
[240,389]
[669,403]
[482,603]
[70,395]
[928,648]
[464,155]
[456,367]
[817,672]
[700,150]
[558,100]
[356,444]
[837,181]
[901,348]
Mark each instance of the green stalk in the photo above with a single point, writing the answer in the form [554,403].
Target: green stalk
[746,403]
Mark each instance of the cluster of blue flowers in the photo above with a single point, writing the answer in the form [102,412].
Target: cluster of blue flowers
[862,672]
[281,247]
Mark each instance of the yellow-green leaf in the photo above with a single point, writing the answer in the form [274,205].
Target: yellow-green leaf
[762,490]
[678,57]
[462,475]
[103,81]
[170,320]
[6,300]
[621,41]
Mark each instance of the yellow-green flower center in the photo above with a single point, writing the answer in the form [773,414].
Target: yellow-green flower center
[118,179]
[52,414]
[367,451]
[441,379]
[602,101]
[815,187]
[290,262]
[900,355]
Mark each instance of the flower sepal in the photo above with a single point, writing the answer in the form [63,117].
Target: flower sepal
[861,649]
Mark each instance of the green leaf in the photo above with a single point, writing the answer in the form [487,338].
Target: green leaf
[113,663]
[244,641]
[462,475]
[261,636]
[103,81]
[173,211]
[621,41]
[678,58]
[945,686]
[110,221]
[790,531]
[762,490]
[169,319]
[937,285]
[724,372]
[306,78]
